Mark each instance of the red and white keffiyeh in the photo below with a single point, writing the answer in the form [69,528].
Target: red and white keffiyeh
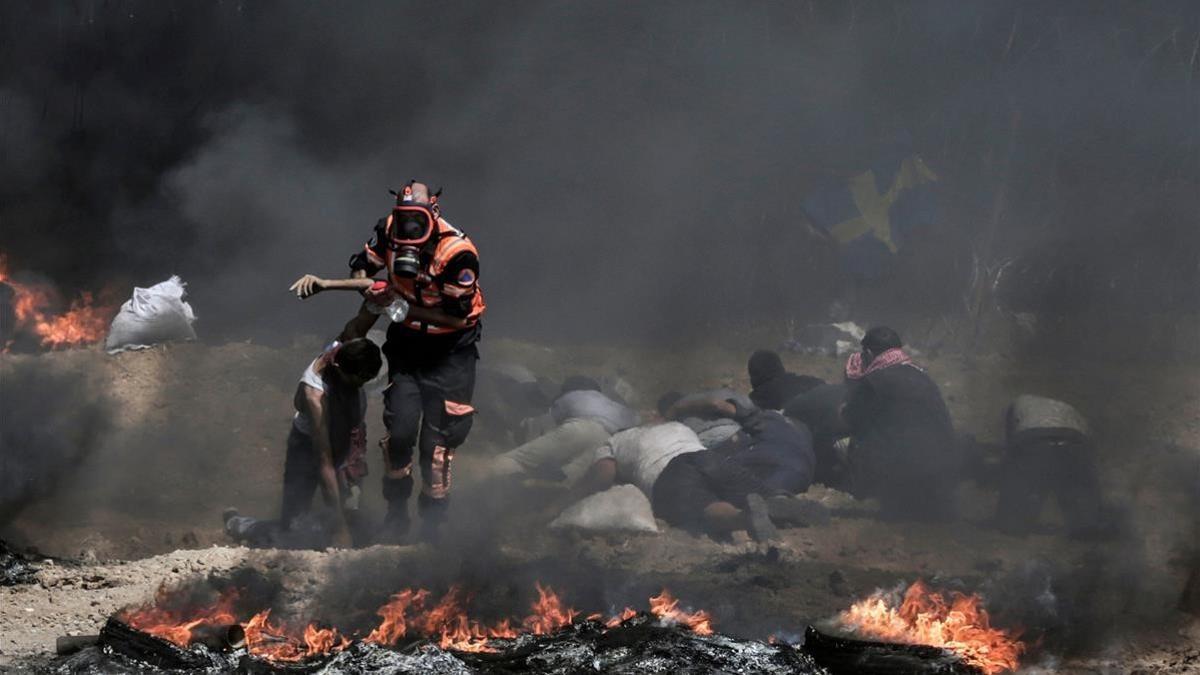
[891,357]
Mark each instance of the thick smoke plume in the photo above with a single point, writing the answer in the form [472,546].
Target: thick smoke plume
[239,144]
[628,170]
[49,423]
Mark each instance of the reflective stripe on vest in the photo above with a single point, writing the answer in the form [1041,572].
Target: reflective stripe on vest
[451,243]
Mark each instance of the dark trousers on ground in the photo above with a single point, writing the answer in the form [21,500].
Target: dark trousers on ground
[427,407]
[1061,466]
[692,481]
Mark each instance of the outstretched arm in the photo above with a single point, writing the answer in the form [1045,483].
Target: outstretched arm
[310,284]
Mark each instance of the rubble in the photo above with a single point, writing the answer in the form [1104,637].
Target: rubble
[15,568]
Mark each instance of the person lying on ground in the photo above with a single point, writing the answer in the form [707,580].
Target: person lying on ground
[710,413]
[777,451]
[903,449]
[584,419]
[1049,453]
[772,386]
[690,487]
[326,449]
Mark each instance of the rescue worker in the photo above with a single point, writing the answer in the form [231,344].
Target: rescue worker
[432,296]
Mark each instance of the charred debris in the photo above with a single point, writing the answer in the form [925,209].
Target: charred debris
[638,645]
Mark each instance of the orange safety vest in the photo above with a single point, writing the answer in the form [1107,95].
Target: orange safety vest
[426,290]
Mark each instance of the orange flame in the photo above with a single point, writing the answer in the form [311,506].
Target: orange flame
[926,617]
[85,321]
[406,613]
[449,623]
[549,613]
[614,621]
[160,620]
[665,607]
[277,643]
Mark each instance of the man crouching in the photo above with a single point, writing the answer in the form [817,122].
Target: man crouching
[325,448]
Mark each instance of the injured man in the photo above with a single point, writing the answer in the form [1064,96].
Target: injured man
[326,450]
[584,419]
[734,487]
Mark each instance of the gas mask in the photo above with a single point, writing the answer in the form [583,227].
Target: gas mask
[412,226]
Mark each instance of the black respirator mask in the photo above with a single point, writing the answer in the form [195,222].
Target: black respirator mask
[411,227]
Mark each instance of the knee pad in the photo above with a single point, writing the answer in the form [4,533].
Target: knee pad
[455,427]
[435,471]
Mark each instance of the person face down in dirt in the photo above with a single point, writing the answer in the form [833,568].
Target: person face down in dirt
[1049,454]
[711,413]
[772,386]
[431,293]
[584,419]
[691,487]
[326,449]
[775,450]
[903,449]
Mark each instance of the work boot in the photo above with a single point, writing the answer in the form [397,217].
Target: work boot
[433,515]
[396,525]
[761,527]
[397,522]
[788,510]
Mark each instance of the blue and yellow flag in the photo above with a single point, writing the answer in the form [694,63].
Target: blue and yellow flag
[873,213]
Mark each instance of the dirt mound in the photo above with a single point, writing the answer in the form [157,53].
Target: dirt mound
[202,427]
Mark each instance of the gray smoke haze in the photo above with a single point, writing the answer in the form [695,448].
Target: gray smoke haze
[637,165]
[50,423]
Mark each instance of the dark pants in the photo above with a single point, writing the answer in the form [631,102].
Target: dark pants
[427,406]
[1061,466]
[691,482]
[301,479]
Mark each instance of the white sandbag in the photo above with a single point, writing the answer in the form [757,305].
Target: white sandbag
[620,508]
[153,315]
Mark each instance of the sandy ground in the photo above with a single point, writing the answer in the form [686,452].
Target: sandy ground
[202,427]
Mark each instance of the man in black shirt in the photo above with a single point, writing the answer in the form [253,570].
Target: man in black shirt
[903,449]
[772,386]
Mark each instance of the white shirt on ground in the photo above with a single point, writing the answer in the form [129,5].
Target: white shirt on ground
[593,405]
[643,452]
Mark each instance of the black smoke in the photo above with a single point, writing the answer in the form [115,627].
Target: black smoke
[50,422]
[618,163]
